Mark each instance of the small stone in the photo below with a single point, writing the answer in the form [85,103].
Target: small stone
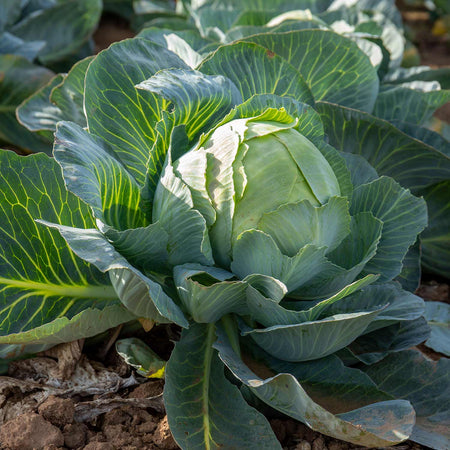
[112,431]
[305,433]
[146,427]
[117,417]
[58,411]
[139,415]
[163,437]
[303,445]
[75,435]
[148,389]
[28,432]
[319,444]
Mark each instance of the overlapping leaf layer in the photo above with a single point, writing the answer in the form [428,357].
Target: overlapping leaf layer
[250,182]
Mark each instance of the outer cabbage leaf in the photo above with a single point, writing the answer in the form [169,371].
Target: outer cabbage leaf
[256,70]
[377,425]
[20,79]
[143,295]
[204,409]
[12,45]
[48,295]
[411,102]
[438,317]
[403,215]
[435,239]
[425,383]
[412,163]
[116,111]
[38,114]
[334,68]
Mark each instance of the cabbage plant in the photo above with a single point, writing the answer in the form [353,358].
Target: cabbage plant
[211,199]
[37,37]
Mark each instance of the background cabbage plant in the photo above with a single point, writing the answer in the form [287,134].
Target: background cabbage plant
[211,198]
[36,37]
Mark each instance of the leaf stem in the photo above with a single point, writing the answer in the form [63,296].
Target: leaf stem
[67,290]
[230,327]
[210,338]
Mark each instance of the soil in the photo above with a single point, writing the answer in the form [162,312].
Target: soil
[111,29]
[54,426]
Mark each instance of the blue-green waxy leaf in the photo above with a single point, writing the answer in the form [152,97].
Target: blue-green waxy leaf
[12,45]
[313,340]
[204,409]
[47,294]
[119,113]
[256,70]
[186,228]
[419,73]
[410,102]
[213,21]
[266,309]
[376,345]
[402,305]
[435,239]
[412,163]
[144,247]
[165,37]
[346,261]
[65,27]
[185,43]
[69,95]
[20,79]
[334,68]
[411,272]
[403,217]
[426,384]
[376,425]
[429,137]
[141,295]
[199,101]
[360,170]
[336,387]
[87,323]
[60,99]
[10,11]
[257,252]
[207,303]
[295,225]
[37,113]
[438,318]
[98,177]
